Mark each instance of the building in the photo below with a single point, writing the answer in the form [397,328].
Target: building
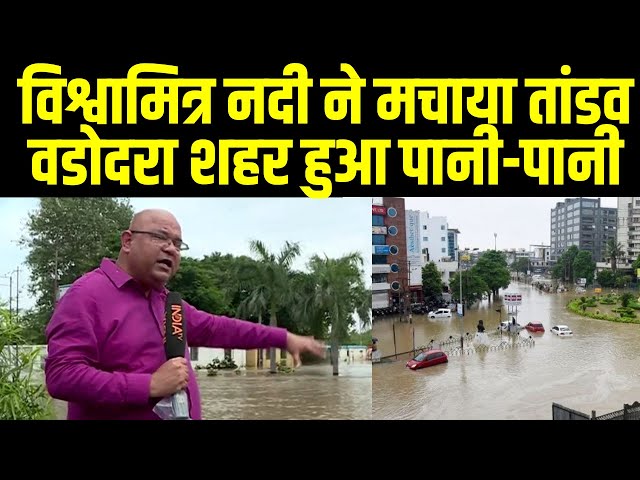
[628,232]
[414,249]
[390,269]
[452,243]
[582,222]
[435,238]
[539,258]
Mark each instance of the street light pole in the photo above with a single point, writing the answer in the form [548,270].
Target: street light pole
[461,303]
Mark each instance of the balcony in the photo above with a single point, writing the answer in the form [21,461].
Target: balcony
[380,287]
[381,269]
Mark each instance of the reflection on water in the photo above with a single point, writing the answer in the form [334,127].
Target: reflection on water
[312,392]
[597,369]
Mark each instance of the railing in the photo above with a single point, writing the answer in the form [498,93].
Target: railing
[628,412]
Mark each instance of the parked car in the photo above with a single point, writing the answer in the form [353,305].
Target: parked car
[440,313]
[427,358]
[534,327]
[562,331]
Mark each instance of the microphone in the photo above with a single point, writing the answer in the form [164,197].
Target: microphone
[175,346]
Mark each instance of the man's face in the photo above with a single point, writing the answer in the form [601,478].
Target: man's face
[153,247]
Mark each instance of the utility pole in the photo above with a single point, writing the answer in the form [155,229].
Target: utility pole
[17,291]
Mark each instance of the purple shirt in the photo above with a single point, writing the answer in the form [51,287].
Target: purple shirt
[105,340]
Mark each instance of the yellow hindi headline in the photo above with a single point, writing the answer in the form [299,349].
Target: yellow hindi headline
[599,103]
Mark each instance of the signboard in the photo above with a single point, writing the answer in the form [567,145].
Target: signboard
[413,232]
[513,298]
[379,230]
[597,290]
[378,210]
[582,281]
[381,250]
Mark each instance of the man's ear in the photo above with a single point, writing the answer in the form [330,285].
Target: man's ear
[125,241]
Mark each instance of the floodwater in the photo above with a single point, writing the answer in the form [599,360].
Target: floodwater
[312,392]
[596,369]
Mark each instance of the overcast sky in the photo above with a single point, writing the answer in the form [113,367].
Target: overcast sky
[518,221]
[333,227]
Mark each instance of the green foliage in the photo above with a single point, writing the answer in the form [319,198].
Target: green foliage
[625,315]
[520,265]
[606,278]
[431,282]
[584,266]
[493,270]
[22,397]
[626,299]
[473,287]
[66,238]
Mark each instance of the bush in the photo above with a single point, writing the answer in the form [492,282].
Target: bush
[21,397]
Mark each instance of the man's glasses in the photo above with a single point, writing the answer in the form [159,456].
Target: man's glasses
[164,239]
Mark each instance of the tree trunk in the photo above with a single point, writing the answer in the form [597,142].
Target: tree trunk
[273,366]
[335,355]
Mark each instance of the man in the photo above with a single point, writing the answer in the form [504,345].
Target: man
[106,354]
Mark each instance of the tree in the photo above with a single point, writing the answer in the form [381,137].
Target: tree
[66,238]
[492,268]
[431,282]
[473,287]
[614,251]
[584,266]
[275,281]
[564,268]
[606,278]
[520,265]
[194,281]
[340,292]
[636,264]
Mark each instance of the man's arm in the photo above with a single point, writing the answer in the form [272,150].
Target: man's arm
[215,331]
[70,367]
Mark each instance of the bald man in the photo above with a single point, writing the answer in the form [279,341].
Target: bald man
[106,354]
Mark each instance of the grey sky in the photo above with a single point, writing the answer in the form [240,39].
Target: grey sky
[518,221]
[334,227]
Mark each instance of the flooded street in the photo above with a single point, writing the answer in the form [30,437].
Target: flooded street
[310,393]
[596,369]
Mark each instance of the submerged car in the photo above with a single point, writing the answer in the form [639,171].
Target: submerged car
[534,327]
[427,358]
[562,331]
[440,313]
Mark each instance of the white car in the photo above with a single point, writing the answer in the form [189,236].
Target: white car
[562,331]
[440,313]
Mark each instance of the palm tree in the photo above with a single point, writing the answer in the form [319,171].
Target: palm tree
[339,293]
[253,280]
[614,251]
[273,282]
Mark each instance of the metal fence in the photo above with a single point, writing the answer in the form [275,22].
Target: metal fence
[628,412]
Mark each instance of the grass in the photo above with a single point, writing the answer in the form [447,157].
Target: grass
[606,307]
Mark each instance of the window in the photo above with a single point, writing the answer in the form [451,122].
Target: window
[392,212]
[395,286]
[393,250]
[379,259]
[393,230]
[443,239]
[377,220]
[441,227]
[395,268]
[379,278]
[425,239]
[378,240]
